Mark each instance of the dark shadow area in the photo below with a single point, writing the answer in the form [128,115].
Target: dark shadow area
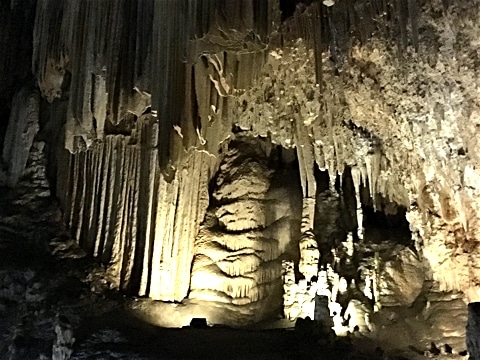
[473,330]
[287,7]
[380,225]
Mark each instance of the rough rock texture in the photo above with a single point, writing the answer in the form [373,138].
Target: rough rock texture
[405,122]
[429,112]
[401,279]
[62,348]
[31,291]
[473,331]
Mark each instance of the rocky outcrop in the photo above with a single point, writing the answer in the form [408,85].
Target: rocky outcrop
[401,279]
[63,346]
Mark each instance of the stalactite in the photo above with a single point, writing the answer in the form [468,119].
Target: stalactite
[357,182]
[171,32]
[318,45]
[306,159]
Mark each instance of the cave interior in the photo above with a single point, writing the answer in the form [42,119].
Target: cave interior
[295,178]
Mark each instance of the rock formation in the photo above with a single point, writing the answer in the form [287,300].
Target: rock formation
[166,126]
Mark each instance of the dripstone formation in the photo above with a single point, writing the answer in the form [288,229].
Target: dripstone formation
[262,159]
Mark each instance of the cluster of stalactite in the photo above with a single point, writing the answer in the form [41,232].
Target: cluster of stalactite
[100,51]
[85,52]
[146,90]
[335,27]
[124,211]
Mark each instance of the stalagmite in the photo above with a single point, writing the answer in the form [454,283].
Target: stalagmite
[236,261]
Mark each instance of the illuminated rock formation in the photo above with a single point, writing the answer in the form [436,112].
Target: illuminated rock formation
[237,252]
[141,104]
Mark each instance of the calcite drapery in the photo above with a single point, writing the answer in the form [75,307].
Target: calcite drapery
[102,50]
[120,206]
[136,196]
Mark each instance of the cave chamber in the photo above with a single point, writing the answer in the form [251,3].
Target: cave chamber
[252,161]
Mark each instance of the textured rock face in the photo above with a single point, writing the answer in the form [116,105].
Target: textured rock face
[401,279]
[405,124]
[473,331]
[424,118]
[120,206]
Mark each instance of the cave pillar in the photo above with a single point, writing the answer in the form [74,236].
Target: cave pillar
[181,206]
